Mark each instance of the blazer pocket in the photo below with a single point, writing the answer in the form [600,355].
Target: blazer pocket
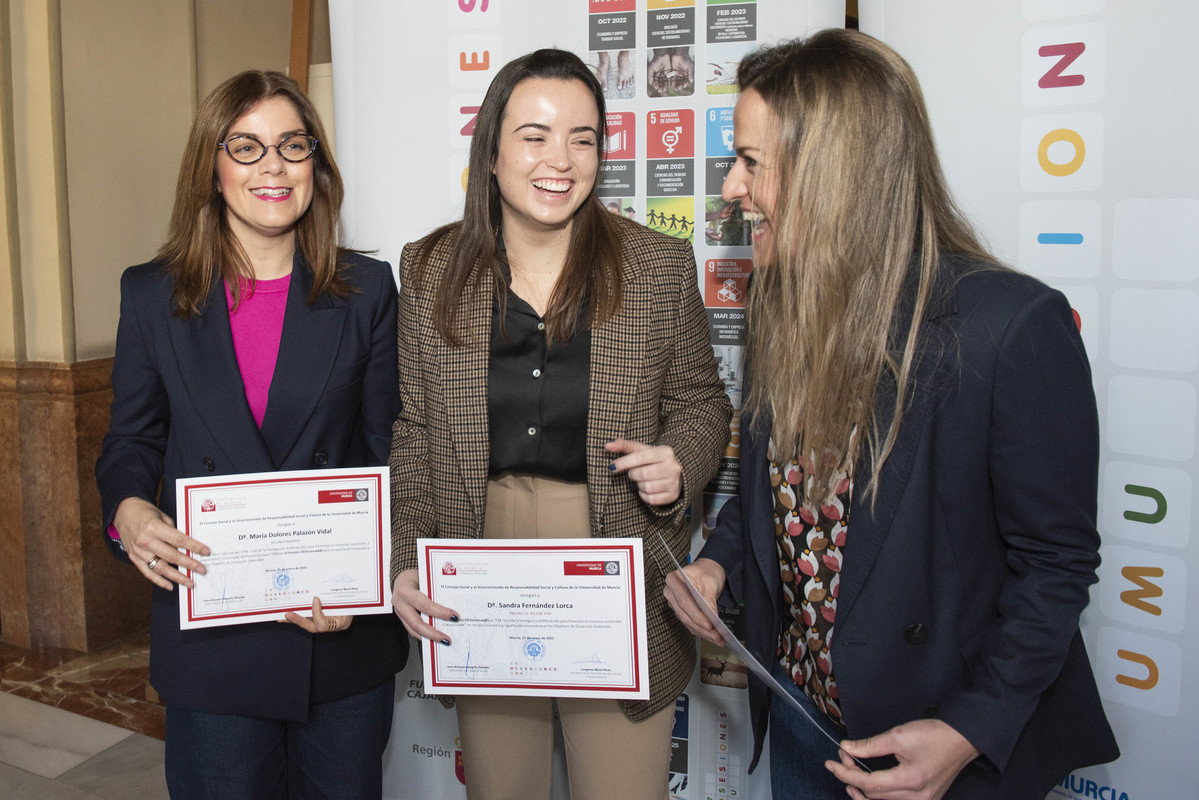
[657,353]
[970,648]
[345,375]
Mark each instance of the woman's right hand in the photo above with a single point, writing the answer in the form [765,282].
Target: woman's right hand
[154,545]
[708,577]
[410,603]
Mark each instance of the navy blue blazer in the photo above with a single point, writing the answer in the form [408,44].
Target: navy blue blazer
[961,589]
[179,410]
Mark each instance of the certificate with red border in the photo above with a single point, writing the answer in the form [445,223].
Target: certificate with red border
[280,538]
[537,617]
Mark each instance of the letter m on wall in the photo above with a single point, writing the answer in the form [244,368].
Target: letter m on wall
[1146,589]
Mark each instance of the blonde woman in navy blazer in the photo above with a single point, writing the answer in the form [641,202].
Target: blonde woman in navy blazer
[920,424]
[264,710]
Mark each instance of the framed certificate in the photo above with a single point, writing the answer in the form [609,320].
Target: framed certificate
[537,617]
[280,538]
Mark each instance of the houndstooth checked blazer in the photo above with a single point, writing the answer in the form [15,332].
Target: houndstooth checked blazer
[653,380]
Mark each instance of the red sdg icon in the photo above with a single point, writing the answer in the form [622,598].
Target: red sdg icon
[725,282]
[601,6]
[621,143]
[670,133]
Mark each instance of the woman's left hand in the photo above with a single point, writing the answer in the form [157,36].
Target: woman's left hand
[319,623]
[654,468]
[930,755]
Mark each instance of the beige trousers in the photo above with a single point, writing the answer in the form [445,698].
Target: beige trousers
[507,742]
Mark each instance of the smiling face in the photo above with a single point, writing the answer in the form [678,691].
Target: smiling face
[548,155]
[753,180]
[265,200]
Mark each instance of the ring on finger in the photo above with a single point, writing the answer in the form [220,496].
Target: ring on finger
[152,563]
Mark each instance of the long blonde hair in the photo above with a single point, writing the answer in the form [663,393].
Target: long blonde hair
[861,219]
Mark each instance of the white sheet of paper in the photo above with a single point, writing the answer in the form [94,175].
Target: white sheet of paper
[280,538]
[755,666]
[537,617]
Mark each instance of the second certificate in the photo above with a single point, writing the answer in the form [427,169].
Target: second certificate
[537,617]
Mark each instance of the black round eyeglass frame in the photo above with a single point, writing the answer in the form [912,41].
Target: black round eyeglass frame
[312,143]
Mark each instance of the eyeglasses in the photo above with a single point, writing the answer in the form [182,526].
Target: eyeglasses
[248,150]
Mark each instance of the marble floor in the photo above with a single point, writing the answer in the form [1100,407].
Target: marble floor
[110,684]
[77,726]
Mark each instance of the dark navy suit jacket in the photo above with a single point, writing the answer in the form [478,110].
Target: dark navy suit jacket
[962,587]
[179,410]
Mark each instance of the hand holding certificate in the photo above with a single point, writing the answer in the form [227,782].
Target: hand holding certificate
[278,539]
[716,629]
[537,617]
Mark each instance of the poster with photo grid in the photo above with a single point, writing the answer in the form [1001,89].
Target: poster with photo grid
[416,73]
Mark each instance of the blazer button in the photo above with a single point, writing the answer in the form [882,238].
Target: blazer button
[931,711]
[916,634]
[209,464]
[321,458]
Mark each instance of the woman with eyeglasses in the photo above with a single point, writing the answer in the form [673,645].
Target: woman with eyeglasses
[254,342]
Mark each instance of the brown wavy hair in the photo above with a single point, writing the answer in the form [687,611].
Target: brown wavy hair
[590,288]
[862,217]
[200,247]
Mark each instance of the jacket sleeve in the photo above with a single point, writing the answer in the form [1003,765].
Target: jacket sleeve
[1043,459]
[726,546]
[694,406]
[413,513]
[132,453]
[380,397]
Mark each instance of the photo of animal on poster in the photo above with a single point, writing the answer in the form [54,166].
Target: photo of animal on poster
[719,667]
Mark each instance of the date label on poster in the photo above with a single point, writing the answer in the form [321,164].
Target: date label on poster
[668,177]
[673,28]
[732,23]
[612,31]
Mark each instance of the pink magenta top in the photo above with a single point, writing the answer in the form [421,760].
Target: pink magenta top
[257,325]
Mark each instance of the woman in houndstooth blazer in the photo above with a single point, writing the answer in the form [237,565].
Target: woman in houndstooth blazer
[615,432]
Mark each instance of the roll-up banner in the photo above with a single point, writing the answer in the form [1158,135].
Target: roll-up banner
[408,80]
[1066,128]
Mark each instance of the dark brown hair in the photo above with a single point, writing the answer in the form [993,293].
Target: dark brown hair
[591,277]
[200,246]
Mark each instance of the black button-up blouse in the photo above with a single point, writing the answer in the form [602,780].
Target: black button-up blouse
[537,397]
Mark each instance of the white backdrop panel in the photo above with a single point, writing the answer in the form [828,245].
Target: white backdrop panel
[1065,128]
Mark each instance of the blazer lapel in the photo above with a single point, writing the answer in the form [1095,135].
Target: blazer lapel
[617,357]
[308,348]
[868,528]
[203,349]
[464,391]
